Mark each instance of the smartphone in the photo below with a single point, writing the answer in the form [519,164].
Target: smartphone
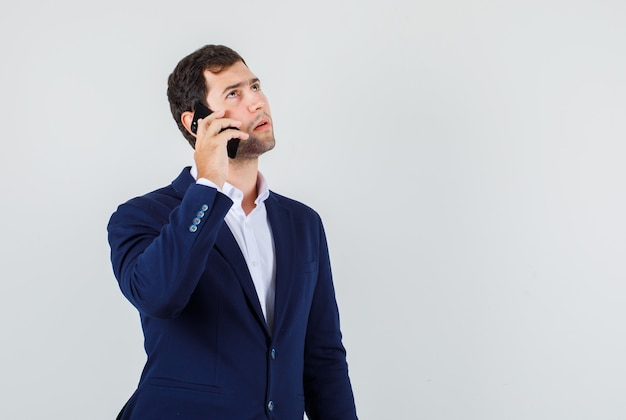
[201,111]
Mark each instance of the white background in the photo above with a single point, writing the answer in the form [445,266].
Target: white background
[467,158]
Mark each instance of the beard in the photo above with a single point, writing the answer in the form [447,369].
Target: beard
[256,145]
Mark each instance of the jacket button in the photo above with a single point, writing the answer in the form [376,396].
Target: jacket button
[204,207]
[270,405]
[273,354]
[193,228]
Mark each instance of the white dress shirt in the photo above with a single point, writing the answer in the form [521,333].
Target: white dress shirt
[253,233]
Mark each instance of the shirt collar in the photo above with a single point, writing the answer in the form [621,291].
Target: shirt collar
[233,192]
[262,188]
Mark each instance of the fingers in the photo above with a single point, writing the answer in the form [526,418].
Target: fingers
[214,131]
[215,123]
[211,154]
[232,133]
[204,123]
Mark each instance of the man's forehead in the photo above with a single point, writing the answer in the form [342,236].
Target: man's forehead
[237,73]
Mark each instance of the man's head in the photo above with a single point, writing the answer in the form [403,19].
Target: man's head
[219,78]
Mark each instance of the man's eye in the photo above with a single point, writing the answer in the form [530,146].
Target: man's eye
[256,87]
[232,94]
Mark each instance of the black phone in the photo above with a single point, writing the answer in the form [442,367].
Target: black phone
[201,111]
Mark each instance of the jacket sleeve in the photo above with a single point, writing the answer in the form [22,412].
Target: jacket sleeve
[160,245]
[327,388]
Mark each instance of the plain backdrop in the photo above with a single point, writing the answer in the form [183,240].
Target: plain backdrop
[466,157]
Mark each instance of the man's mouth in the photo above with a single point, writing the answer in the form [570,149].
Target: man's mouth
[264,123]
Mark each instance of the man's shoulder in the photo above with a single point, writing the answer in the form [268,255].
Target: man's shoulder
[161,195]
[169,195]
[293,205]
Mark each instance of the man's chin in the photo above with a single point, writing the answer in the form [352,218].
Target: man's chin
[254,147]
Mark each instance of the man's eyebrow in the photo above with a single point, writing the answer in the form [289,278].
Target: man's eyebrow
[241,84]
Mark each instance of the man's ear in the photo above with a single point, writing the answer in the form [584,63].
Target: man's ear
[186,118]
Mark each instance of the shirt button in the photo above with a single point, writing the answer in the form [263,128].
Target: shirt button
[270,405]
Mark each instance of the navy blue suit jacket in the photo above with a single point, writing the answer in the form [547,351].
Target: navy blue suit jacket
[209,352]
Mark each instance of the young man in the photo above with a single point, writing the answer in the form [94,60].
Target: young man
[232,281]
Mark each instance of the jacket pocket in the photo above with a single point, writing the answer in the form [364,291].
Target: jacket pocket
[308,267]
[174,384]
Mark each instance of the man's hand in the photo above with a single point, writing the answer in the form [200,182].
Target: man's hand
[210,153]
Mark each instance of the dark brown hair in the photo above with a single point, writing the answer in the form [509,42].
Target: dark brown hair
[186,85]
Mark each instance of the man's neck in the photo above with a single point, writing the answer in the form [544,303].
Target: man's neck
[243,176]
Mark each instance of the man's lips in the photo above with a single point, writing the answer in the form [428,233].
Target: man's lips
[263,124]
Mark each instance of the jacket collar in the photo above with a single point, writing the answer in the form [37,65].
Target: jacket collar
[281,221]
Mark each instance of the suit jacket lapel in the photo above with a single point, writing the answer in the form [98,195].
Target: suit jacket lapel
[227,246]
[281,222]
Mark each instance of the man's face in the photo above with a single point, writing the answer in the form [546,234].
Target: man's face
[237,91]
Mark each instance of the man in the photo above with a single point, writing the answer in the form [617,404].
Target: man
[232,281]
